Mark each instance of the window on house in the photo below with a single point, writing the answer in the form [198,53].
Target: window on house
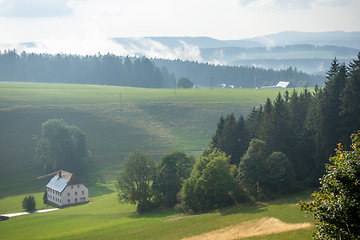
[76,200]
[78,186]
[72,187]
[75,193]
[82,193]
[82,199]
[68,194]
[68,200]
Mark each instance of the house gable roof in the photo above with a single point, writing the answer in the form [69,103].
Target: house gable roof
[61,180]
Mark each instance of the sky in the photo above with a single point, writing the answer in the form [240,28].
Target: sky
[86,26]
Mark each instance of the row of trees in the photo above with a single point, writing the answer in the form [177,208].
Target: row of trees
[304,126]
[177,181]
[97,69]
[210,75]
[138,72]
[143,183]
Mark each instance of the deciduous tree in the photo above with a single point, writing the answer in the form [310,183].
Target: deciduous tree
[184,82]
[337,204]
[210,184]
[172,170]
[134,181]
[61,147]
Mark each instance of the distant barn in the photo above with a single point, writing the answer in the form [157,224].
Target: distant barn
[66,189]
[281,84]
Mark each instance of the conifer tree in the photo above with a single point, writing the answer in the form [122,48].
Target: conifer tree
[350,101]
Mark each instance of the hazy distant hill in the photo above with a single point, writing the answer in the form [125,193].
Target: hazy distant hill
[335,38]
[309,52]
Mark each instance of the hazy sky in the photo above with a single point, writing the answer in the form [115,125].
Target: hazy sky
[70,25]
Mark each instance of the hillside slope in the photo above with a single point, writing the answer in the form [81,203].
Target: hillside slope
[154,121]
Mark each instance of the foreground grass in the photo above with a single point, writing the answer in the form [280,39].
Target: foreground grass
[105,218]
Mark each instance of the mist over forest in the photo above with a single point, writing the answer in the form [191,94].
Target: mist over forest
[157,62]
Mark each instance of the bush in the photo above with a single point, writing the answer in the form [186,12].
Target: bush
[210,185]
[29,203]
[45,201]
[337,204]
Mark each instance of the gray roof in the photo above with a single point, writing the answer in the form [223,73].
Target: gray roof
[63,179]
[58,184]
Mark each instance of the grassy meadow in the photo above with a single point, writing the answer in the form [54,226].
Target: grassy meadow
[117,121]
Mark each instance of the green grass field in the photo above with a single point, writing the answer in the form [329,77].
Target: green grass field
[155,121]
[104,218]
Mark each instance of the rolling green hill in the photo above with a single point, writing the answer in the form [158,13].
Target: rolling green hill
[117,120]
[155,121]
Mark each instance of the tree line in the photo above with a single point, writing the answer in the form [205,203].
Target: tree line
[210,75]
[90,69]
[279,148]
[138,72]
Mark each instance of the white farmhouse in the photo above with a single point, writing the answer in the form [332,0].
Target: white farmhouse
[66,189]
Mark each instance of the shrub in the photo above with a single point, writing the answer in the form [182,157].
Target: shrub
[29,203]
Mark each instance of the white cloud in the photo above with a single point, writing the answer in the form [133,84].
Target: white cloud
[82,24]
[291,4]
[34,8]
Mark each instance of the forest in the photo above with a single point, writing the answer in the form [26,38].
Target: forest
[142,72]
[304,128]
[279,148]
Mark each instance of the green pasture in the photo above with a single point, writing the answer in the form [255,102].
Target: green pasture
[117,121]
[39,94]
[152,120]
[105,218]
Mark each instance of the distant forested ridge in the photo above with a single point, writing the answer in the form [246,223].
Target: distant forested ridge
[115,70]
[210,75]
[96,69]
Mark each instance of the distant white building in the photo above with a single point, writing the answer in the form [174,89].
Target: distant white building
[66,189]
[281,84]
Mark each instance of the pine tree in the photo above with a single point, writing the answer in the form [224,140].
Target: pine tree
[253,121]
[334,68]
[350,102]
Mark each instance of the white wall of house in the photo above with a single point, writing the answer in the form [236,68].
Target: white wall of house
[71,195]
[74,194]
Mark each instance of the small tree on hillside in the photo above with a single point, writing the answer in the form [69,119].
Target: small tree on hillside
[210,185]
[337,204]
[172,170]
[134,181]
[29,203]
[61,146]
[184,82]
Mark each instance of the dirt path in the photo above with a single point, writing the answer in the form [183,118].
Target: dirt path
[264,226]
[24,213]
